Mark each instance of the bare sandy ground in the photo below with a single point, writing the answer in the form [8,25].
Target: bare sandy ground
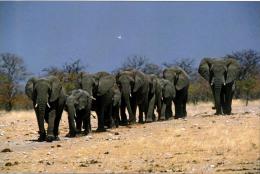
[203,143]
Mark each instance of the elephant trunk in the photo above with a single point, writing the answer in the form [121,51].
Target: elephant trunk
[217,93]
[40,105]
[71,118]
[126,95]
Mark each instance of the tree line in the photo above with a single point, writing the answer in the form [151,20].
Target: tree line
[13,74]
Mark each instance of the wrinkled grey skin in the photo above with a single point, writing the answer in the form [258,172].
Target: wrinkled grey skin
[78,106]
[48,99]
[134,86]
[221,75]
[100,86]
[180,80]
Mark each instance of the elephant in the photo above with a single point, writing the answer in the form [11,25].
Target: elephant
[221,75]
[78,106]
[164,93]
[134,86]
[180,80]
[48,98]
[167,94]
[100,85]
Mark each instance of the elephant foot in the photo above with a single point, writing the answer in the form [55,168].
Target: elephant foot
[42,138]
[132,122]
[123,123]
[141,121]
[101,130]
[50,138]
[70,134]
[162,119]
[149,120]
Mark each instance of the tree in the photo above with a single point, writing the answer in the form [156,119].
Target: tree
[135,62]
[12,71]
[68,73]
[186,64]
[140,63]
[247,86]
[151,68]
[249,61]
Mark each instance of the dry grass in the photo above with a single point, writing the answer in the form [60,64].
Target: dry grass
[204,143]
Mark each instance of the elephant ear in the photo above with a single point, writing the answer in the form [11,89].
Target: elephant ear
[183,79]
[232,70]
[138,80]
[55,88]
[29,87]
[204,68]
[169,90]
[105,84]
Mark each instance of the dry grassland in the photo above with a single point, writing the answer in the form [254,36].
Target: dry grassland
[203,143]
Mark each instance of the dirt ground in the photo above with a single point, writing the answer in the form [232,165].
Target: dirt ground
[202,143]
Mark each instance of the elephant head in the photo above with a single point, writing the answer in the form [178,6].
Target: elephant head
[43,92]
[218,73]
[97,84]
[178,76]
[106,82]
[88,82]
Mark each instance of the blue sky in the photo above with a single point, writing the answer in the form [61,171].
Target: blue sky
[51,33]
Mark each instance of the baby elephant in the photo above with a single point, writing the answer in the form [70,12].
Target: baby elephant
[78,106]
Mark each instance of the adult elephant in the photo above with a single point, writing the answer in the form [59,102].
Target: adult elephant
[180,80]
[134,86]
[78,106]
[100,85]
[48,99]
[221,75]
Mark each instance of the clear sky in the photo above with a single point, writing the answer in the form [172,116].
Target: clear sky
[103,34]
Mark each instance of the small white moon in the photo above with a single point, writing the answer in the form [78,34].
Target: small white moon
[119,37]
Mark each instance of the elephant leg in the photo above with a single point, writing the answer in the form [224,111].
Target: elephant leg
[110,119]
[123,121]
[79,121]
[100,113]
[132,119]
[57,122]
[228,98]
[116,115]
[184,103]
[85,118]
[140,116]
[42,133]
[168,109]
[163,110]
[50,130]
[178,105]
[150,113]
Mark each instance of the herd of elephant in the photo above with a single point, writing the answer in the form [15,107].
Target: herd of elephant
[110,96]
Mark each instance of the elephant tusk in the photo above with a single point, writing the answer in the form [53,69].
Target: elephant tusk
[224,83]
[48,105]
[75,115]
[130,95]
[211,83]
[36,105]
[93,98]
